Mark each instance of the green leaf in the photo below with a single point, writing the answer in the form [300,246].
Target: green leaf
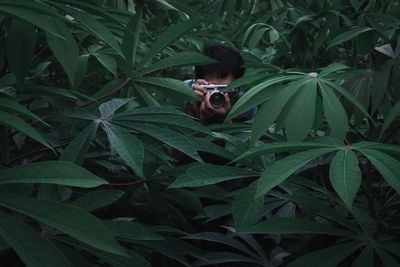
[365,259]
[394,112]
[93,26]
[169,137]
[280,147]
[20,125]
[131,230]
[207,174]
[300,117]
[108,108]
[246,209]
[10,105]
[386,165]
[241,105]
[66,50]
[131,39]
[381,82]
[127,146]
[33,249]
[68,219]
[51,172]
[271,109]
[20,48]
[276,226]
[165,39]
[334,112]
[386,258]
[79,146]
[280,170]
[173,120]
[334,67]
[187,58]
[169,85]
[31,16]
[348,96]
[328,257]
[322,208]
[348,34]
[108,62]
[97,199]
[345,175]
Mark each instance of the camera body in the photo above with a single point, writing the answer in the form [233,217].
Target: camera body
[217,97]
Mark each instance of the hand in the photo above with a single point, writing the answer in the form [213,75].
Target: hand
[198,88]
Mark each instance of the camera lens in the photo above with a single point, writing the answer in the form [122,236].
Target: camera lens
[217,99]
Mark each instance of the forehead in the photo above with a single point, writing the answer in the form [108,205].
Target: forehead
[217,80]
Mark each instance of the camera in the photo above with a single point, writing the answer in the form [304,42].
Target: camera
[217,97]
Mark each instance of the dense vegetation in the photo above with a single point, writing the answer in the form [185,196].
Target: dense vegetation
[92,103]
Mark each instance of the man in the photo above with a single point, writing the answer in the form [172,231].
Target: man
[229,68]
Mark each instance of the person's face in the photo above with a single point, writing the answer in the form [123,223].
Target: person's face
[213,79]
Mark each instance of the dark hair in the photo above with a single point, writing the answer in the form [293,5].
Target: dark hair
[230,62]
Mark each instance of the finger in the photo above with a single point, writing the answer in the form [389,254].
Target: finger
[201,82]
[200,89]
[207,102]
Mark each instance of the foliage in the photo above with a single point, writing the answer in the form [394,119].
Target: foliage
[92,111]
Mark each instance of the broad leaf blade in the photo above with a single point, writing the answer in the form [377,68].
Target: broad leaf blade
[302,112]
[127,146]
[97,199]
[20,125]
[20,47]
[51,172]
[67,218]
[33,249]
[276,226]
[173,33]
[386,165]
[246,209]
[345,175]
[328,257]
[280,170]
[79,146]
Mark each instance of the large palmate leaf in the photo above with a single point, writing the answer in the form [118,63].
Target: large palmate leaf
[168,85]
[241,107]
[131,39]
[280,170]
[69,219]
[294,226]
[20,48]
[173,33]
[20,125]
[328,257]
[93,26]
[65,49]
[386,165]
[282,147]
[347,34]
[28,12]
[206,174]
[126,145]
[300,117]
[97,199]
[246,209]
[51,172]
[345,175]
[131,230]
[33,249]
[187,58]
[79,146]
[169,137]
